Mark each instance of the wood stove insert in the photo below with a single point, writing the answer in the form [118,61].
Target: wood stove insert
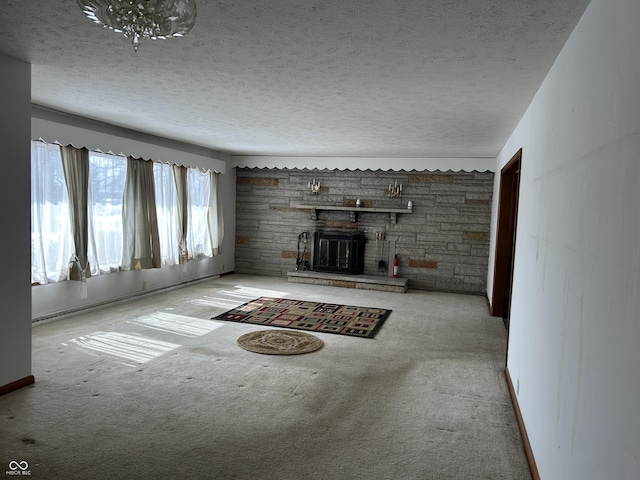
[339,252]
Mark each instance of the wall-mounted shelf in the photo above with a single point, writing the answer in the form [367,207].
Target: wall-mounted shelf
[353,211]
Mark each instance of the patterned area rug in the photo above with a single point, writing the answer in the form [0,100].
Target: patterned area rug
[318,317]
[279,342]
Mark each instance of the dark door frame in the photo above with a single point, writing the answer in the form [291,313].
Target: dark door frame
[505,237]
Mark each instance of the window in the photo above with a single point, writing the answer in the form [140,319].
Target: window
[198,240]
[52,229]
[107,175]
[51,240]
[167,211]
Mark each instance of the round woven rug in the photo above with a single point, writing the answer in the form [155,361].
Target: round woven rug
[279,342]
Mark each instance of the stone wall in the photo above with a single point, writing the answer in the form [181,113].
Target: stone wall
[443,244]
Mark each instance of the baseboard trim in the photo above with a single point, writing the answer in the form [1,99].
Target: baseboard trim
[523,431]
[489,307]
[23,382]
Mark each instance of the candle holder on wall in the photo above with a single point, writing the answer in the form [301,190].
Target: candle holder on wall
[314,186]
[395,190]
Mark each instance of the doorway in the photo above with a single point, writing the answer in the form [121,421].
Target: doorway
[506,238]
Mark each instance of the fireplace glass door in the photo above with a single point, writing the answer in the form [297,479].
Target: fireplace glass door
[339,252]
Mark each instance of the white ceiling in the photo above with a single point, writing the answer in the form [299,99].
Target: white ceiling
[393,78]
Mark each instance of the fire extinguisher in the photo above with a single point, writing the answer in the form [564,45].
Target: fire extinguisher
[396,262]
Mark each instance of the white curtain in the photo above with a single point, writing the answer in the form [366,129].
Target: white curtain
[198,236]
[107,174]
[168,216]
[51,237]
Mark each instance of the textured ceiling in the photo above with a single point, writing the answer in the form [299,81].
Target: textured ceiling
[394,78]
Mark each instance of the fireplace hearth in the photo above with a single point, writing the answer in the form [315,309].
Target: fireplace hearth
[339,252]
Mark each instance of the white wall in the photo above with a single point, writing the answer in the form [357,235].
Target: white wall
[59,298]
[15,290]
[574,344]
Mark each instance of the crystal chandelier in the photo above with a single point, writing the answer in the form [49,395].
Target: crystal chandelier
[138,19]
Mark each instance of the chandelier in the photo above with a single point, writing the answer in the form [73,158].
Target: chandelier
[138,19]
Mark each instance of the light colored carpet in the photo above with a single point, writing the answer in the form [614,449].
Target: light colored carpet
[153,389]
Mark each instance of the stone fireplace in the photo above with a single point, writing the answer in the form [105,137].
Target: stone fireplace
[442,243]
[338,252]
